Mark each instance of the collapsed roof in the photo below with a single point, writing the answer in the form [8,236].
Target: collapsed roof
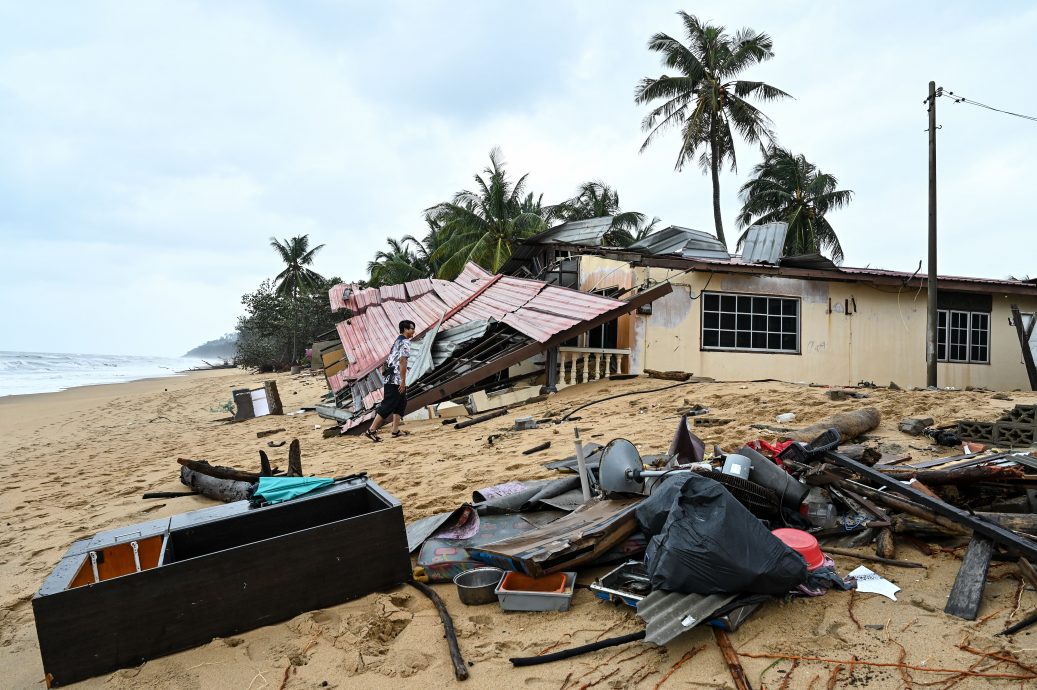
[467,330]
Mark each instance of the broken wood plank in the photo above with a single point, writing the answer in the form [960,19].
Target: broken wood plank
[268,432]
[294,459]
[731,659]
[273,399]
[481,418]
[905,506]
[668,375]
[965,475]
[967,592]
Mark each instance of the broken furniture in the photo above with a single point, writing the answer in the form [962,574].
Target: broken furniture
[257,402]
[138,592]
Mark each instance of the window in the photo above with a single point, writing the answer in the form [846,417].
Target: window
[963,336]
[750,322]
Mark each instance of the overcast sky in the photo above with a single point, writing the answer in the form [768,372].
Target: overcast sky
[149,150]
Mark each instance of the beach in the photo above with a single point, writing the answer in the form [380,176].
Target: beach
[76,462]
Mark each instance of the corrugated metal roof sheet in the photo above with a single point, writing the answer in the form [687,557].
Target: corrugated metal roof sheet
[668,614]
[581,232]
[764,243]
[685,241]
[531,307]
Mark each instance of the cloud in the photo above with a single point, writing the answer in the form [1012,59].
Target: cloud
[151,149]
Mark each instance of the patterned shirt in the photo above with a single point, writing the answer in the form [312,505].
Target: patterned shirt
[400,350]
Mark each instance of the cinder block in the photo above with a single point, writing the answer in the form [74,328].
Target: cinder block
[976,431]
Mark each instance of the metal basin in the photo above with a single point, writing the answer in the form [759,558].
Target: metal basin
[478,586]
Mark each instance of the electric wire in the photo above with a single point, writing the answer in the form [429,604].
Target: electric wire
[958,98]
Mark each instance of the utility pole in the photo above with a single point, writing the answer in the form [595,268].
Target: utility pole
[931,336]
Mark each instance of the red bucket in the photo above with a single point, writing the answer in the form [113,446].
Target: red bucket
[802,543]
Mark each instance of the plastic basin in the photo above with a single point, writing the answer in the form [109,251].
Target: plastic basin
[804,544]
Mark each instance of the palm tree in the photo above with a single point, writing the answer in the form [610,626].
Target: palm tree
[296,278]
[622,237]
[705,100]
[788,188]
[398,265]
[595,199]
[483,226]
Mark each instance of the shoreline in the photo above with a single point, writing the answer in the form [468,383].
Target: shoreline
[15,398]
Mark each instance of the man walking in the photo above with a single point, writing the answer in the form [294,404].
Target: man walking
[394,400]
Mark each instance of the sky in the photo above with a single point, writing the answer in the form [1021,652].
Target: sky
[149,150]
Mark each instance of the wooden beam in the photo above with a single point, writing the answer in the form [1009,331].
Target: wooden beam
[967,592]
[1006,538]
[1024,343]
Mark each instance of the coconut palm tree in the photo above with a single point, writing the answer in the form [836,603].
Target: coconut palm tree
[788,188]
[483,225]
[296,278]
[623,237]
[705,100]
[595,199]
[397,265]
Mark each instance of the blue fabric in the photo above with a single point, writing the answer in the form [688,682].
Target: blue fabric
[280,489]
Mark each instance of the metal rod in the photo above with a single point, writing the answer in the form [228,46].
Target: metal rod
[136,554]
[581,463]
[93,566]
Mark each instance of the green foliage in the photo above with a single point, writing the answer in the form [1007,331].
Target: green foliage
[788,188]
[221,348]
[277,328]
[296,278]
[484,225]
[595,199]
[704,100]
[407,259]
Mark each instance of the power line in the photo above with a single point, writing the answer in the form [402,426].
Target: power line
[957,98]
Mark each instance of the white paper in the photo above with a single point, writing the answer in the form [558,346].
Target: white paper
[868,581]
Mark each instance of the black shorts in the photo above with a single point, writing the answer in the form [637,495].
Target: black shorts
[394,402]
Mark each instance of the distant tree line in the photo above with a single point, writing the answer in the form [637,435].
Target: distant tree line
[705,100]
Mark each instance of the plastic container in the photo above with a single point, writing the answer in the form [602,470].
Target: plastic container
[518,592]
[819,510]
[802,543]
[737,466]
[478,586]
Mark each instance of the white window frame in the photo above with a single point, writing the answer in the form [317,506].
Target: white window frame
[944,332]
[766,332]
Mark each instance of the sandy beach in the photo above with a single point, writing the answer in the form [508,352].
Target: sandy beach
[76,462]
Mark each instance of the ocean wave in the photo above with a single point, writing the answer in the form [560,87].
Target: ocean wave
[43,372]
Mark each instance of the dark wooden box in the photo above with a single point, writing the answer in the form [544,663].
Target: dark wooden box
[213,573]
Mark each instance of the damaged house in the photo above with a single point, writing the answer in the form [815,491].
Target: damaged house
[795,318]
[468,330]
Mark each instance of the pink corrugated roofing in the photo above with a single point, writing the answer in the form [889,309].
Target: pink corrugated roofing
[531,307]
[337,296]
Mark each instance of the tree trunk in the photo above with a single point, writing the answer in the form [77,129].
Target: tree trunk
[715,171]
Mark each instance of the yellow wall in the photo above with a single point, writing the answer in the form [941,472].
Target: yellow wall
[882,340]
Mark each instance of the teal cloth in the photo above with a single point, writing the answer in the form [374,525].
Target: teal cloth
[280,489]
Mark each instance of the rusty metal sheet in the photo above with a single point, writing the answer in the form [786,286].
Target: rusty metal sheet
[579,537]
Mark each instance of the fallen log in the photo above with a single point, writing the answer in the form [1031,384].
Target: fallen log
[885,546]
[849,425]
[536,449]
[219,471]
[225,490]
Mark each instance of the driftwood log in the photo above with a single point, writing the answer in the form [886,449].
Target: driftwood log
[668,375]
[849,424]
[218,471]
[225,490]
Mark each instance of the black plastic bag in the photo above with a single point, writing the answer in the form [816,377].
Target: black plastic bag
[710,544]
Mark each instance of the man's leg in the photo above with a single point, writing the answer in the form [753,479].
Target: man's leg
[377,423]
[395,423]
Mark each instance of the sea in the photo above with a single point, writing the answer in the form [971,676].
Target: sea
[46,372]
